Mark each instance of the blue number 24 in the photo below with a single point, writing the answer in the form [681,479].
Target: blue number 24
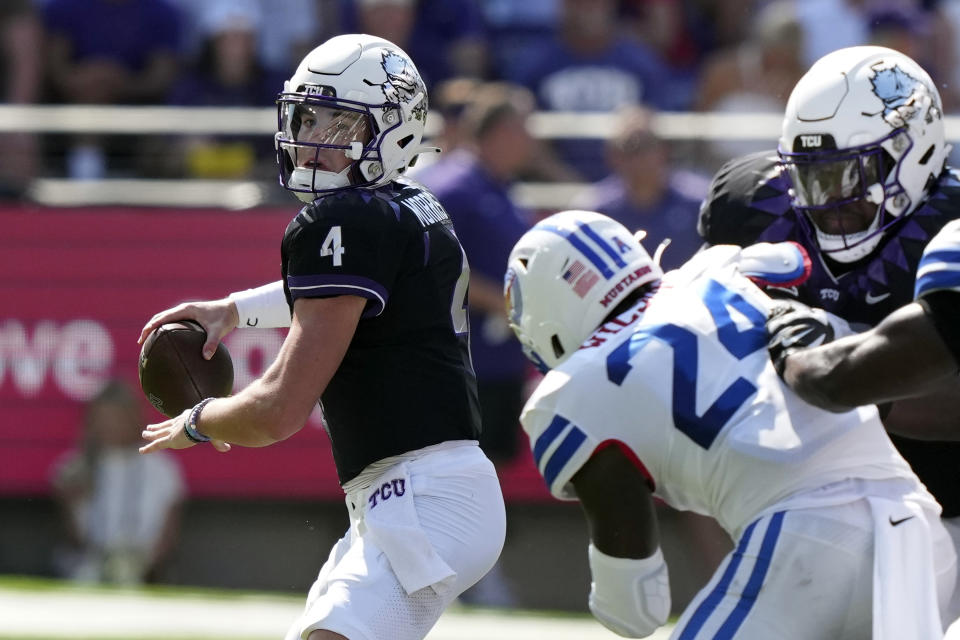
[702,429]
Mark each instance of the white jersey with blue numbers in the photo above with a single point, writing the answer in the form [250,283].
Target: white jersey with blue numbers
[683,382]
[939,267]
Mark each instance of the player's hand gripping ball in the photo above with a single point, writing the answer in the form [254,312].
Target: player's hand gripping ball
[173,374]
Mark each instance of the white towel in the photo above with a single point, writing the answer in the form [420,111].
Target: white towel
[392,524]
[904,585]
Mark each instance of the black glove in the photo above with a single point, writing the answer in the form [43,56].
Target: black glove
[792,326]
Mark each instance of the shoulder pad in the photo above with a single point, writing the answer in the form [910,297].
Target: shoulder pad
[709,259]
[780,264]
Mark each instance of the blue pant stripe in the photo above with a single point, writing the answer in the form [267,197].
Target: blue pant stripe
[562,454]
[755,582]
[582,247]
[548,436]
[714,598]
[603,244]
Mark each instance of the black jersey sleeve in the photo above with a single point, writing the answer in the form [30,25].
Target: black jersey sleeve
[344,246]
[746,195]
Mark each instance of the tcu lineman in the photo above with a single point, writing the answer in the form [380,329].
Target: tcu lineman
[910,351]
[376,284]
[661,387]
[860,181]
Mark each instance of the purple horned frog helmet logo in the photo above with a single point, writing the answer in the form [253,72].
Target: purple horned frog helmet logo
[403,83]
[903,96]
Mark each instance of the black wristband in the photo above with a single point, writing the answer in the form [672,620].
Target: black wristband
[190,424]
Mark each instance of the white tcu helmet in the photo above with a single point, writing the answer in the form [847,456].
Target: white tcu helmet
[863,125]
[359,95]
[565,275]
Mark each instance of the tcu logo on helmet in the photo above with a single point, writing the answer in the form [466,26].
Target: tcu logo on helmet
[902,96]
[403,83]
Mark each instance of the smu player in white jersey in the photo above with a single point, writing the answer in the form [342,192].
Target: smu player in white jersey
[661,387]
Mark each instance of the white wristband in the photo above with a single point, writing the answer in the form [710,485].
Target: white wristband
[263,307]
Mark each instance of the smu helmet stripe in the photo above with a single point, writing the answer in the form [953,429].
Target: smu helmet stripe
[938,270]
[936,281]
[581,246]
[556,426]
[562,454]
[600,242]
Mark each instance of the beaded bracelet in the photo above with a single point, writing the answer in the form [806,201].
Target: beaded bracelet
[190,424]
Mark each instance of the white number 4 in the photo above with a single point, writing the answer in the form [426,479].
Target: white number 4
[331,246]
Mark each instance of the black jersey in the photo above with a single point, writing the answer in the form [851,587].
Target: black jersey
[406,381]
[748,203]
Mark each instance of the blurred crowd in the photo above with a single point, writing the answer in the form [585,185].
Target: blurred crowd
[571,55]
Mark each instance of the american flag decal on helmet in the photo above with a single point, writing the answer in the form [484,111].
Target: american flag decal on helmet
[581,278]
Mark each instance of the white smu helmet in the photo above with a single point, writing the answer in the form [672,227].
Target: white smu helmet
[863,128]
[565,275]
[360,95]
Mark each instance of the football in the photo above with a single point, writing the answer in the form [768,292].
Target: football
[173,374]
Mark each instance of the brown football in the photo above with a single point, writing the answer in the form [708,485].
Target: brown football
[173,374]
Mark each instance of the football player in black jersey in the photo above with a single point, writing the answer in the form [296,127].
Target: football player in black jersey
[374,291]
[912,349]
[860,180]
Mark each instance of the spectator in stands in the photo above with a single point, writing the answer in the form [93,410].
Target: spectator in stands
[756,75]
[445,38]
[472,183]
[516,28]
[121,510]
[760,72]
[20,78]
[664,26]
[227,73]
[847,25]
[590,66]
[286,31]
[109,52]
[450,100]
[289,29]
[645,192]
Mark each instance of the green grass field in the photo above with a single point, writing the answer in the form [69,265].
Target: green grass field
[32,609]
